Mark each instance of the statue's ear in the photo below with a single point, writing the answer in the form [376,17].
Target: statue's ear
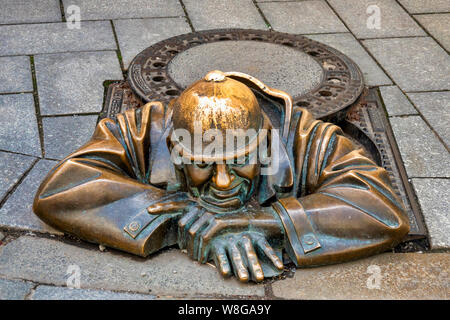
[162,170]
[254,83]
[277,175]
[281,176]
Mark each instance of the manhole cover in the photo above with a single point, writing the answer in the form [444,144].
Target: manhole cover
[318,77]
[276,65]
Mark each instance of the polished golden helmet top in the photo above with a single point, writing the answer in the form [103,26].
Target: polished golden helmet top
[217,102]
[220,103]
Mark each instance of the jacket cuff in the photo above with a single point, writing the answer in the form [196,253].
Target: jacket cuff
[298,229]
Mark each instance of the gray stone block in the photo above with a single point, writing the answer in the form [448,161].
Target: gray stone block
[422,153]
[386,276]
[56,37]
[395,101]
[73,82]
[18,125]
[218,14]
[433,197]
[438,25]
[348,45]
[168,273]
[276,65]
[415,64]
[107,10]
[302,17]
[12,167]
[394,21]
[65,293]
[15,74]
[425,6]
[14,289]
[14,11]
[17,212]
[435,107]
[64,135]
[134,35]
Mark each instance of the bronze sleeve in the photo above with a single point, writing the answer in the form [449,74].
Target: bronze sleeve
[100,192]
[344,207]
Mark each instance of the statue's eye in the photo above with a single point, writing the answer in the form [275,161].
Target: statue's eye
[242,161]
[202,165]
[250,158]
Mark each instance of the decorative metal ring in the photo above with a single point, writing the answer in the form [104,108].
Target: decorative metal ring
[341,85]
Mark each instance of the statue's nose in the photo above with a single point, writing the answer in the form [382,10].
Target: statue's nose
[222,178]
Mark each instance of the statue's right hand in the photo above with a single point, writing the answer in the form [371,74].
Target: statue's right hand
[168,207]
[171,206]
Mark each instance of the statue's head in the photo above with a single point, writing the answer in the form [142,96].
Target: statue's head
[218,130]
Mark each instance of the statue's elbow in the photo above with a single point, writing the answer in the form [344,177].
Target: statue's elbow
[37,202]
[41,204]
[39,207]
[401,228]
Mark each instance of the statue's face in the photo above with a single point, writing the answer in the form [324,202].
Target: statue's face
[223,186]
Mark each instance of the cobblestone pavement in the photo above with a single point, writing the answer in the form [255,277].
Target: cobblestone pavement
[51,90]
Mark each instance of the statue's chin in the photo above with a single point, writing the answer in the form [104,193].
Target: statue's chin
[229,205]
[221,201]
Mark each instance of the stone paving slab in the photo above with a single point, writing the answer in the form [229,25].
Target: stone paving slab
[18,124]
[425,6]
[348,45]
[218,14]
[17,213]
[106,10]
[64,135]
[396,102]
[394,21]
[386,276]
[168,273]
[435,107]
[14,289]
[422,153]
[73,82]
[434,195]
[134,35]
[12,167]
[64,293]
[56,37]
[415,64]
[15,74]
[438,25]
[13,11]
[302,17]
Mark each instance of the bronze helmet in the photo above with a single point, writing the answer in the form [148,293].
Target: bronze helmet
[221,104]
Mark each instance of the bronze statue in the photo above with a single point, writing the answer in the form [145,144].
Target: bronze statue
[140,184]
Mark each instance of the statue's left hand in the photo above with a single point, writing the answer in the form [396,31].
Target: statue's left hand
[237,253]
[206,235]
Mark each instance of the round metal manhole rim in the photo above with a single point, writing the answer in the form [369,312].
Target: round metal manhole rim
[277,66]
[341,85]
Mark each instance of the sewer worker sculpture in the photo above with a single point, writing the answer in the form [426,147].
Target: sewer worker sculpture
[140,184]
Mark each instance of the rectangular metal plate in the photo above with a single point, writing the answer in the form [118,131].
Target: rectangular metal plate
[369,116]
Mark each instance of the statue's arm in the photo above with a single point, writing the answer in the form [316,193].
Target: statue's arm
[98,192]
[346,207]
